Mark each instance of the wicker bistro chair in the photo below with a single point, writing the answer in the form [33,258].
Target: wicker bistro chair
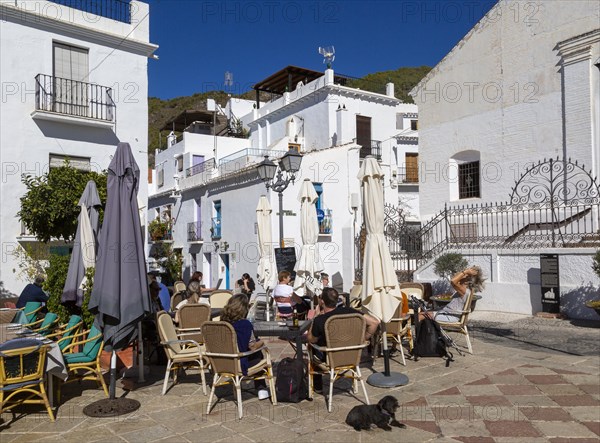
[224,356]
[219,299]
[66,332]
[344,335]
[30,310]
[181,353]
[179,286]
[399,326]
[85,364]
[461,324]
[22,363]
[191,318]
[177,298]
[47,325]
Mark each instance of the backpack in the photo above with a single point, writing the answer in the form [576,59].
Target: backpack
[431,342]
[291,384]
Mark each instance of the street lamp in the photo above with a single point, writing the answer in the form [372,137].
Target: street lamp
[286,173]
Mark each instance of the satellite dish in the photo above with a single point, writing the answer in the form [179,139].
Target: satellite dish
[328,53]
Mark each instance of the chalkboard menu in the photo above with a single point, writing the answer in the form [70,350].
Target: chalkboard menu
[550,282]
[285,258]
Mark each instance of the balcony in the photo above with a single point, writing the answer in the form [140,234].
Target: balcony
[326,224]
[118,10]
[206,167]
[408,175]
[215,230]
[194,232]
[241,159]
[374,149]
[160,231]
[66,100]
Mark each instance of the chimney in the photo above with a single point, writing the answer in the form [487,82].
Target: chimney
[343,130]
[389,89]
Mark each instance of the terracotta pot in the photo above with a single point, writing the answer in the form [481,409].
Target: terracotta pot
[125,358]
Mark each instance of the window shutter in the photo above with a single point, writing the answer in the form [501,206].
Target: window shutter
[363,135]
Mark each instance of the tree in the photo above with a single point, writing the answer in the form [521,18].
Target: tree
[49,208]
[448,264]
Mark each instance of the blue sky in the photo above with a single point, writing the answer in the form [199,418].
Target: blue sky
[201,40]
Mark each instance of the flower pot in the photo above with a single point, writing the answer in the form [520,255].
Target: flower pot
[595,305]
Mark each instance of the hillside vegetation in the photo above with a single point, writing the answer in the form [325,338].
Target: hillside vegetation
[162,111]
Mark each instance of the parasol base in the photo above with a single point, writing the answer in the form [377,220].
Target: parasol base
[111,408]
[380,380]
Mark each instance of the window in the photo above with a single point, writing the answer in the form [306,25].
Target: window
[161,176]
[411,162]
[82,163]
[399,120]
[463,232]
[363,135]
[468,180]
[414,125]
[319,189]
[180,164]
[71,72]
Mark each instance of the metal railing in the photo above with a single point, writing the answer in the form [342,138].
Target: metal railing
[194,231]
[75,98]
[408,174]
[215,230]
[240,159]
[326,224]
[206,166]
[119,10]
[373,149]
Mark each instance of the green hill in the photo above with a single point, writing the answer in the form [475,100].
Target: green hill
[161,111]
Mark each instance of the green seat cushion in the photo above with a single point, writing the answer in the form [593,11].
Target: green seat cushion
[78,357]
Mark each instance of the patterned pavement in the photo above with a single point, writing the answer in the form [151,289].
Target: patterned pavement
[523,384]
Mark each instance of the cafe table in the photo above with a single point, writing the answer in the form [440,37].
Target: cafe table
[283,330]
[55,364]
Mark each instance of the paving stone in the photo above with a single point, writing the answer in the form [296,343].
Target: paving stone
[464,428]
[593,426]
[425,425]
[488,400]
[546,414]
[519,390]
[546,379]
[563,429]
[152,433]
[511,429]
[491,389]
[478,439]
[590,389]
[575,400]
[450,391]
[573,440]
[566,389]
[530,400]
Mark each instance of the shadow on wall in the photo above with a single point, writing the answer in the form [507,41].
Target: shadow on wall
[87,134]
[572,303]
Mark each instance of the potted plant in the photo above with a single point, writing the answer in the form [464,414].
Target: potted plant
[595,304]
[158,229]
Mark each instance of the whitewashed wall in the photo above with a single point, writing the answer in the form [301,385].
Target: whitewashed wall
[25,143]
[514,281]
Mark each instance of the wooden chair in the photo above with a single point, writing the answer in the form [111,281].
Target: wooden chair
[181,353]
[344,335]
[224,356]
[85,364]
[191,318]
[461,324]
[22,363]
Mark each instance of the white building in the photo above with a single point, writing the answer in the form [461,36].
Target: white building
[332,126]
[521,87]
[74,84]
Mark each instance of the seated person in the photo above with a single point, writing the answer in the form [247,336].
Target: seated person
[235,312]
[197,276]
[192,296]
[285,297]
[328,307]
[164,294]
[471,279]
[246,285]
[33,292]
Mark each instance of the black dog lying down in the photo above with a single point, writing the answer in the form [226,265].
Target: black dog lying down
[381,414]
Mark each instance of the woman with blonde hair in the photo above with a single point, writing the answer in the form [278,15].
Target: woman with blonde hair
[235,312]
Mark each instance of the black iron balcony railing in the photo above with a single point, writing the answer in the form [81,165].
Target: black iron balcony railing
[408,174]
[205,166]
[194,231]
[374,149]
[71,97]
[119,10]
